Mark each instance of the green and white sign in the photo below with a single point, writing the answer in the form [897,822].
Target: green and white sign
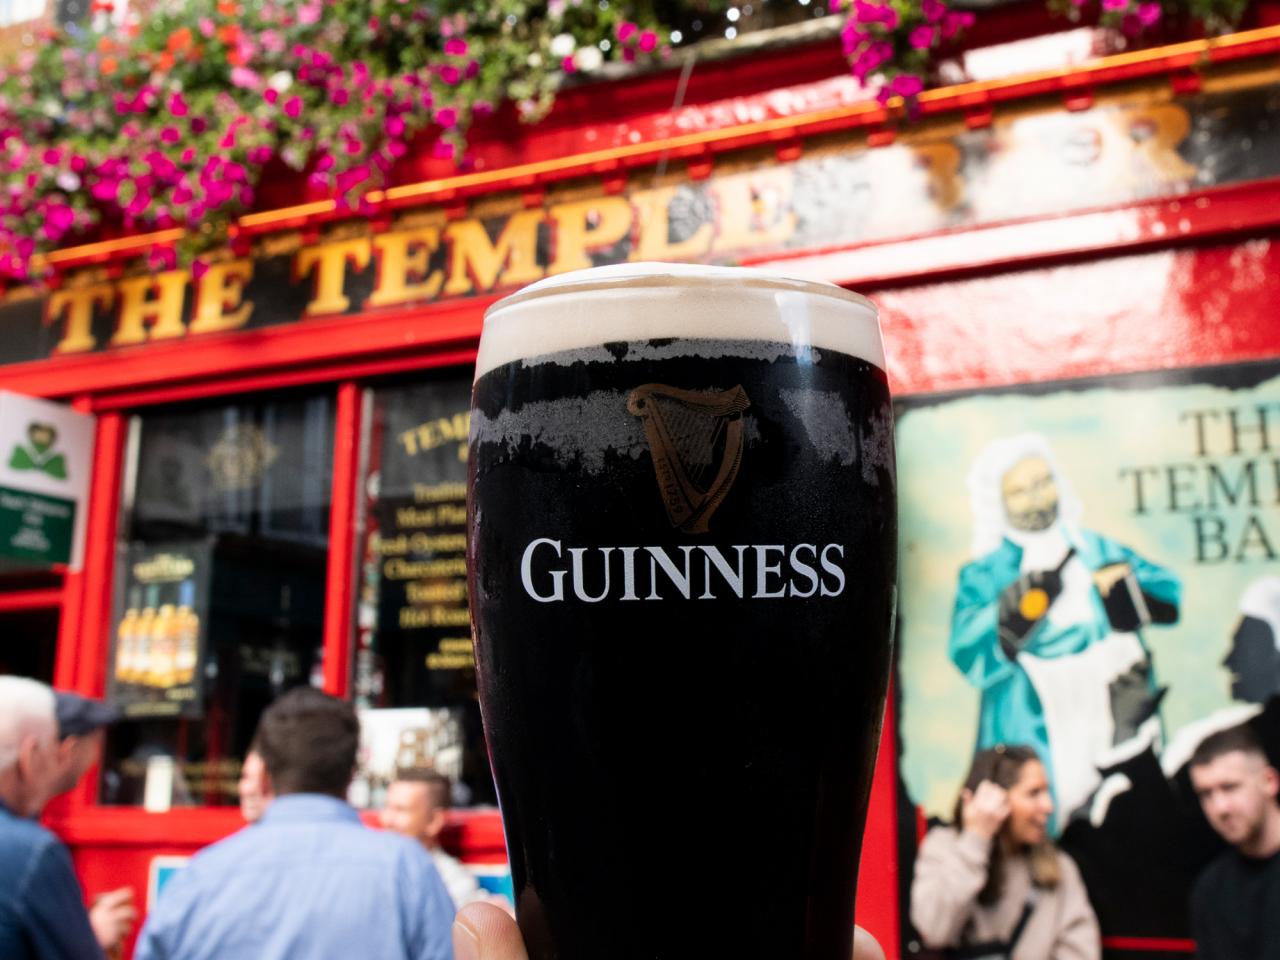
[46,452]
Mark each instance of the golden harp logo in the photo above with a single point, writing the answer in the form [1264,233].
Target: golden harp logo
[695,440]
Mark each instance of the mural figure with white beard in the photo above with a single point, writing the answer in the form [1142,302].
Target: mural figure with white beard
[1048,621]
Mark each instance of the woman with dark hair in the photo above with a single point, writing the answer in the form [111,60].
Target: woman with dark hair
[994,886]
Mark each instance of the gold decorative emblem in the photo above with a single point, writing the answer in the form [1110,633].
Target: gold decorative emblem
[695,440]
[240,458]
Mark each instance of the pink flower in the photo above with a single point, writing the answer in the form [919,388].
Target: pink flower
[455,47]
[105,190]
[648,41]
[1149,14]
[293,107]
[272,41]
[52,156]
[339,97]
[309,14]
[922,37]
[933,10]
[58,219]
[625,30]
[450,74]
[207,27]
[199,125]
[170,135]
[442,150]
[259,155]
[447,117]
[394,127]
[177,106]
[271,95]
[906,85]
[198,269]
[188,156]
[1113,5]
[245,78]
[954,22]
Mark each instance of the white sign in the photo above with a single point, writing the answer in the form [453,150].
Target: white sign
[46,457]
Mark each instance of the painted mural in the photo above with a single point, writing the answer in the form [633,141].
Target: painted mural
[1092,568]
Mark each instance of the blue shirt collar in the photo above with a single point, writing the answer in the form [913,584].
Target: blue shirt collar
[309,808]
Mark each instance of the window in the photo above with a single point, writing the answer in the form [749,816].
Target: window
[20,11]
[414,674]
[219,588]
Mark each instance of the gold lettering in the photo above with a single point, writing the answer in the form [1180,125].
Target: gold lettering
[403,255]
[218,296]
[475,263]
[586,226]
[331,275]
[162,313]
[654,241]
[755,210]
[76,304]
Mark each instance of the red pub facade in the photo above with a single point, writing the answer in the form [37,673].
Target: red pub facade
[279,439]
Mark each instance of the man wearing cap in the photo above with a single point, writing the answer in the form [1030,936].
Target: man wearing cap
[42,915]
[82,725]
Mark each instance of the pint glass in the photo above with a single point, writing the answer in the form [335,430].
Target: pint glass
[682,542]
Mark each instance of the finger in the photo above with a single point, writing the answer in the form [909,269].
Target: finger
[115,898]
[865,946]
[485,932]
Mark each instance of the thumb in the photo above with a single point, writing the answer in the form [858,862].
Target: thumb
[485,932]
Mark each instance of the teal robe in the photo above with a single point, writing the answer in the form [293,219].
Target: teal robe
[1010,711]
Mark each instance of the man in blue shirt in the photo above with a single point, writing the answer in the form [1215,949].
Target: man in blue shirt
[309,880]
[42,914]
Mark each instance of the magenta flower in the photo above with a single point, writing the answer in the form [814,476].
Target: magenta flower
[933,10]
[245,78]
[199,125]
[450,74]
[447,117]
[394,127]
[455,47]
[293,107]
[339,96]
[922,37]
[177,106]
[198,268]
[170,135]
[1113,5]
[271,95]
[52,157]
[272,41]
[907,85]
[1149,14]
[625,30]
[648,41]
[954,22]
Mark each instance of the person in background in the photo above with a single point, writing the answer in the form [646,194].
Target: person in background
[309,880]
[1235,905]
[42,912]
[254,786]
[485,932]
[994,885]
[82,725]
[417,806]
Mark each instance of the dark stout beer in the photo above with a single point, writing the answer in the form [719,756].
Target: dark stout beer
[683,546]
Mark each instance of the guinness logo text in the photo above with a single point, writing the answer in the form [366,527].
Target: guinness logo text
[744,571]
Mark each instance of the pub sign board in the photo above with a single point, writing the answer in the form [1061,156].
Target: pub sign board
[46,453]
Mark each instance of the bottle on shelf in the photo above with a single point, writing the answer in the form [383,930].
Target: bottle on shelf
[188,635]
[126,639]
[142,633]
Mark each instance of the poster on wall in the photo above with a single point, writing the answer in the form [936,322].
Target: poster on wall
[160,633]
[414,631]
[1092,568]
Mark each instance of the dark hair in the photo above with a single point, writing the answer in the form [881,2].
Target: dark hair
[438,785]
[1003,767]
[1240,739]
[308,741]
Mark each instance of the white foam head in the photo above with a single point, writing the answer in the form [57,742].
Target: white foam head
[647,301]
